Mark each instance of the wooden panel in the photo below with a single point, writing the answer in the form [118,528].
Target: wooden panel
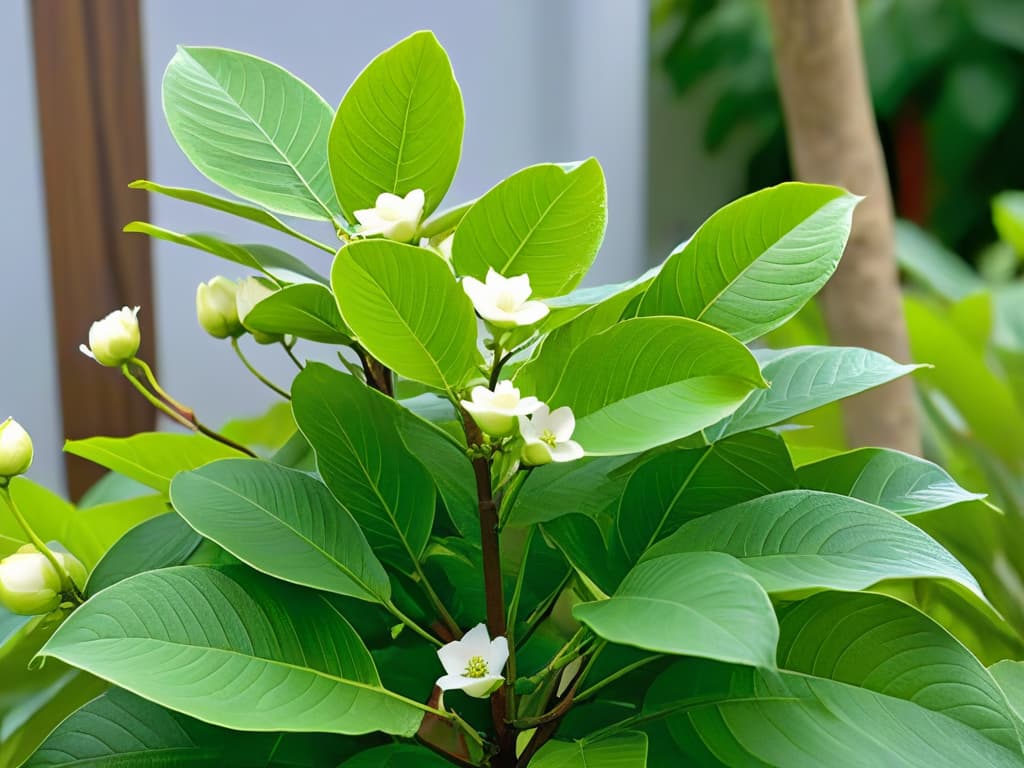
[92,123]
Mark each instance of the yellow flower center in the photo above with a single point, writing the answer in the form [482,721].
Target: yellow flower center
[476,667]
[547,436]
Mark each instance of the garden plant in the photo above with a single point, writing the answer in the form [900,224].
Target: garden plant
[515,522]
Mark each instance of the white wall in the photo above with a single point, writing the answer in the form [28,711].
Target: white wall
[543,80]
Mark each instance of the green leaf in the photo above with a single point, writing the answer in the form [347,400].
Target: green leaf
[757,261]
[308,311]
[799,541]
[159,542]
[233,207]
[404,306]
[119,728]
[253,128]
[546,221]
[700,604]
[897,481]
[586,486]
[279,266]
[399,127]
[923,256]
[1009,675]
[626,750]
[243,651]
[679,485]
[281,522]
[1008,218]
[645,382]
[803,378]
[362,459]
[152,458]
[271,429]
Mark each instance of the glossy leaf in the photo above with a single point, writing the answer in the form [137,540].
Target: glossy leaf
[1009,675]
[586,486]
[799,541]
[804,378]
[897,481]
[152,458]
[253,128]
[361,457]
[281,522]
[308,311]
[119,728]
[399,127]
[546,221]
[645,382]
[627,750]
[757,261]
[679,485]
[396,756]
[700,604]
[404,306]
[243,651]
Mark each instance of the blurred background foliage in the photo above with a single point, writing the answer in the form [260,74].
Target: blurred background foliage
[946,77]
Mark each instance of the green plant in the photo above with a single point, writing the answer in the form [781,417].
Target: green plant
[579,542]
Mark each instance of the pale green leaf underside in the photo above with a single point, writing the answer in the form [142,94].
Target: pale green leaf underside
[699,604]
[797,541]
[236,649]
[1009,675]
[404,306]
[399,127]
[253,128]
[281,522]
[757,261]
[546,221]
[626,750]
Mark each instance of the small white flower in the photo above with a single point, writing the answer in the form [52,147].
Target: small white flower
[216,308]
[115,339]
[251,292]
[397,218]
[503,301]
[15,449]
[474,663]
[547,436]
[497,412]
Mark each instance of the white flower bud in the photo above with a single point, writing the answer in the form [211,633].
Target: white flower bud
[115,339]
[394,217]
[497,413]
[547,434]
[503,301]
[29,584]
[216,308]
[15,449]
[251,292]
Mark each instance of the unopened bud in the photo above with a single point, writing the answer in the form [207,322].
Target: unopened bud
[115,339]
[216,308]
[15,449]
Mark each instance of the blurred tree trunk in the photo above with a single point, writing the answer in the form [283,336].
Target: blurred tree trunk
[833,138]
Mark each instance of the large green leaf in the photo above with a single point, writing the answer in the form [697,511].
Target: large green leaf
[679,485]
[253,128]
[120,729]
[308,311]
[804,378]
[233,207]
[897,481]
[546,221]
[399,127]
[699,604]
[586,487]
[152,458]
[236,649]
[396,756]
[799,541]
[645,382]
[404,306]
[362,459]
[756,262]
[626,750]
[281,522]
[1009,675]
[273,262]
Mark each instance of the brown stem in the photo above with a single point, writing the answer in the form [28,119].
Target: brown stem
[377,374]
[547,724]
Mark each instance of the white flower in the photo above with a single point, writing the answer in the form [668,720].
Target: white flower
[115,339]
[547,436]
[497,412]
[216,308]
[15,449]
[251,292]
[503,301]
[397,218]
[474,663]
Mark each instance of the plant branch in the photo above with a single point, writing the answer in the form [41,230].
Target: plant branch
[547,724]
[586,693]
[288,348]
[397,613]
[543,610]
[252,369]
[377,375]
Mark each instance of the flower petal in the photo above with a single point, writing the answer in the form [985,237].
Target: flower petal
[532,312]
[478,292]
[494,280]
[570,450]
[453,682]
[528,405]
[519,287]
[476,642]
[414,202]
[497,655]
[561,422]
[528,430]
[454,657]
[482,687]
[388,200]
